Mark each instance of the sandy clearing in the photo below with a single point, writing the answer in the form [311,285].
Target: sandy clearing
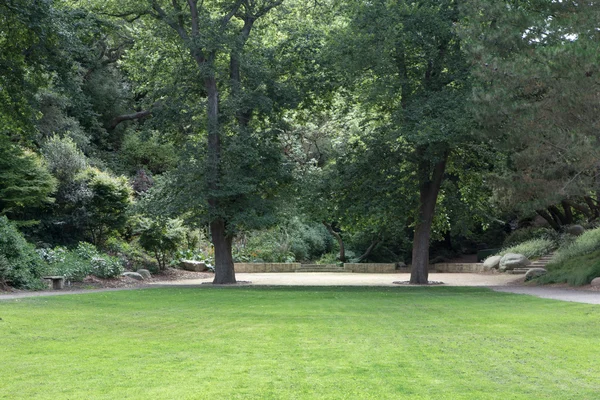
[353,279]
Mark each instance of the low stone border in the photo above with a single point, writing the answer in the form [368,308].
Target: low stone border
[366,268]
[457,267]
[371,268]
[266,267]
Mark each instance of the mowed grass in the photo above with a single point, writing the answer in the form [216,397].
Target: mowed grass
[299,343]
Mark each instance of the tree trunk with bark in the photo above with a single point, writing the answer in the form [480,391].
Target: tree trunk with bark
[221,240]
[546,215]
[428,193]
[339,239]
[224,270]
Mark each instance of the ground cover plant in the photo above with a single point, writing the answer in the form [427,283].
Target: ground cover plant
[576,263]
[298,343]
[533,248]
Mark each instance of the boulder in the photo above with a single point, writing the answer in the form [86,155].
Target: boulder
[491,262]
[133,275]
[535,273]
[510,261]
[191,265]
[145,273]
[575,230]
[596,282]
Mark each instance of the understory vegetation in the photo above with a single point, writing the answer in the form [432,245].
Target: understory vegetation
[531,249]
[302,343]
[576,263]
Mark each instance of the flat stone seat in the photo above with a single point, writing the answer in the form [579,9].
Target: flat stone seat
[58,282]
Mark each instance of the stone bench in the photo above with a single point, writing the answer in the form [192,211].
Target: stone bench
[58,282]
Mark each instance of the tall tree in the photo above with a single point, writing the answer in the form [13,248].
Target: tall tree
[214,36]
[412,77]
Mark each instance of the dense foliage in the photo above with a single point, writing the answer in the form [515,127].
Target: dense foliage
[20,265]
[283,130]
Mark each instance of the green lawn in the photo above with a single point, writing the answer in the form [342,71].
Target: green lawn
[299,343]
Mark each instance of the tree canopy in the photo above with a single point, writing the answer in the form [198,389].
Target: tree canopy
[387,130]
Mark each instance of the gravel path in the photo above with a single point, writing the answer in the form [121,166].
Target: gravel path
[498,282]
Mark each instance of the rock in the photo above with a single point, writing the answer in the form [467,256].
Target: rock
[133,275]
[575,230]
[491,262]
[196,266]
[144,273]
[595,282]
[511,261]
[535,273]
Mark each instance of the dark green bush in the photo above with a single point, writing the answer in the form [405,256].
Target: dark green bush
[162,237]
[20,266]
[131,253]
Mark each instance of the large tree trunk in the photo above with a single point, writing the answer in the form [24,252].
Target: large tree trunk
[339,239]
[593,207]
[428,192]
[224,270]
[546,215]
[557,215]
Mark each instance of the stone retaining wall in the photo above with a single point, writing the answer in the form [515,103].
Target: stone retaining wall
[374,268]
[457,267]
[371,268]
[266,267]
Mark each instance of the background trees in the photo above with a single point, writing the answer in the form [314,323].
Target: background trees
[536,68]
[292,130]
[410,81]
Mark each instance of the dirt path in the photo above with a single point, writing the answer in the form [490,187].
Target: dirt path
[498,282]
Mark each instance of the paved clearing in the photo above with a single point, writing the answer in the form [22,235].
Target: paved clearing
[498,282]
[355,279]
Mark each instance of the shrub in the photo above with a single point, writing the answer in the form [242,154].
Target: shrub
[526,234]
[64,159]
[329,258]
[24,178]
[106,266]
[195,255]
[533,248]
[80,262]
[101,265]
[578,270]
[20,265]
[584,244]
[63,262]
[131,253]
[103,208]
[162,237]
